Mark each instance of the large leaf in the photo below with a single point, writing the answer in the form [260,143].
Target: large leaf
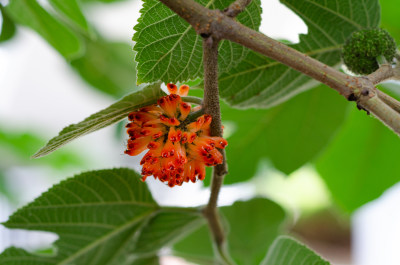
[72,11]
[169,49]
[287,251]
[253,225]
[261,82]
[114,113]
[94,214]
[108,66]
[8,28]
[289,135]
[31,14]
[97,216]
[361,162]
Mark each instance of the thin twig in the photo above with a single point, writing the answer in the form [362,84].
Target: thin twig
[384,72]
[391,102]
[236,8]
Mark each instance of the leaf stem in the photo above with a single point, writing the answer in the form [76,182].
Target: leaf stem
[194,100]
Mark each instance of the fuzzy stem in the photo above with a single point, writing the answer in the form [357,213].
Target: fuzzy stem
[211,106]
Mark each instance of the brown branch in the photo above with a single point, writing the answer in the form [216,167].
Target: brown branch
[211,106]
[391,102]
[236,8]
[385,72]
[214,22]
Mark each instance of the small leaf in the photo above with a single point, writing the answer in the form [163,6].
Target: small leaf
[289,135]
[168,48]
[114,113]
[253,225]
[29,13]
[94,214]
[260,82]
[361,162]
[72,11]
[108,66]
[287,251]
[8,28]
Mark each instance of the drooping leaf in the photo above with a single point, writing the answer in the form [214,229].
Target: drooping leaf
[29,13]
[361,162]
[94,214]
[101,217]
[253,225]
[8,28]
[260,82]
[114,113]
[168,48]
[108,66]
[287,251]
[289,135]
[72,11]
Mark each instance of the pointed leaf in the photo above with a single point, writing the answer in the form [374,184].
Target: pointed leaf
[260,82]
[94,214]
[253,225]
[114,113]
[29,13]
[287,251]
[361,162]
[168,48]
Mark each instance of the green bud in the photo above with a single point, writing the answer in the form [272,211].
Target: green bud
[361,50]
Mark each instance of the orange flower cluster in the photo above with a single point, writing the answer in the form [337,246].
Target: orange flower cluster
[178,150]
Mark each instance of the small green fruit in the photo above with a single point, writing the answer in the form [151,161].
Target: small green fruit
[363,47]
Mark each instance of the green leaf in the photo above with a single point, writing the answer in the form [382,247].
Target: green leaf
[361,162]
[8,28]
[287,251]
[390,19]
[165,228]
[168,48]
[289,135]
[72,11]
[94,214]
[260,82]
[114,113]
[108,66]
[253,225]
[29,13]
[104,217]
